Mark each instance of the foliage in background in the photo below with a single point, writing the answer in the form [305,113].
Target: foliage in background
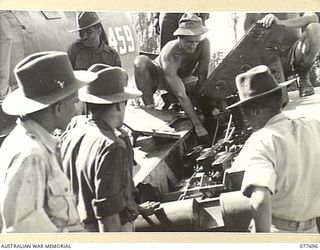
[149,40]
[216,59]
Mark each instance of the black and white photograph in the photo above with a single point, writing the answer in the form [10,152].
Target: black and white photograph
[159,121]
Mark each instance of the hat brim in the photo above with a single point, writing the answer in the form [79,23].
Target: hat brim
[190,32]
[85,27]
[16,103]
[280,86]
[108,99]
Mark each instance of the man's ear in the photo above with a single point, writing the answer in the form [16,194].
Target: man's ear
[56,108]
[99,30]
[117,105]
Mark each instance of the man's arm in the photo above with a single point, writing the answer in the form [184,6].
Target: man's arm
[294,22]
[109,200]
[204,61]
[260,202]
[178,90]
[23,202]
[110,223]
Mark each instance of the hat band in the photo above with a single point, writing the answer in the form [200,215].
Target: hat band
[98,91]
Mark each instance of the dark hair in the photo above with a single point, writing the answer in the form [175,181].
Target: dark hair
[103,36]
[271,101]
[96,109]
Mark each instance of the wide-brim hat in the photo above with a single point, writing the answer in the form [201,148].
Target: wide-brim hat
[85,20]
[43,79]
[190,25]
[256,83]
[109,87]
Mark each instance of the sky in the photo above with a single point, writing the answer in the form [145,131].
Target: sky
[221,30]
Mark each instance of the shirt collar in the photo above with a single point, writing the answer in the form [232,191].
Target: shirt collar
[99,122]
[279,117]
[35,130]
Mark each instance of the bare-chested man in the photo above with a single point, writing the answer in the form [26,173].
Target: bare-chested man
[175,66]
[300,46]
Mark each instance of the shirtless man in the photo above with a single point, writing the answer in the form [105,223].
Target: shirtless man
[173,69]
[300,46]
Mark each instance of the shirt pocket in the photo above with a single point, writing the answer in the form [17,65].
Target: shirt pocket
[82,61]
[57,196]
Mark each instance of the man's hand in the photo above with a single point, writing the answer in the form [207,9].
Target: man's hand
[202,135]
[148,208]
[268,20]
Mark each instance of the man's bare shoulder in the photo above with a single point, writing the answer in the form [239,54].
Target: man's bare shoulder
[172,47]
[204,44]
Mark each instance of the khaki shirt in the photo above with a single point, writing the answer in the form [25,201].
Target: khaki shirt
[35,193]
[284,157]
[82,57]
[99,164]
